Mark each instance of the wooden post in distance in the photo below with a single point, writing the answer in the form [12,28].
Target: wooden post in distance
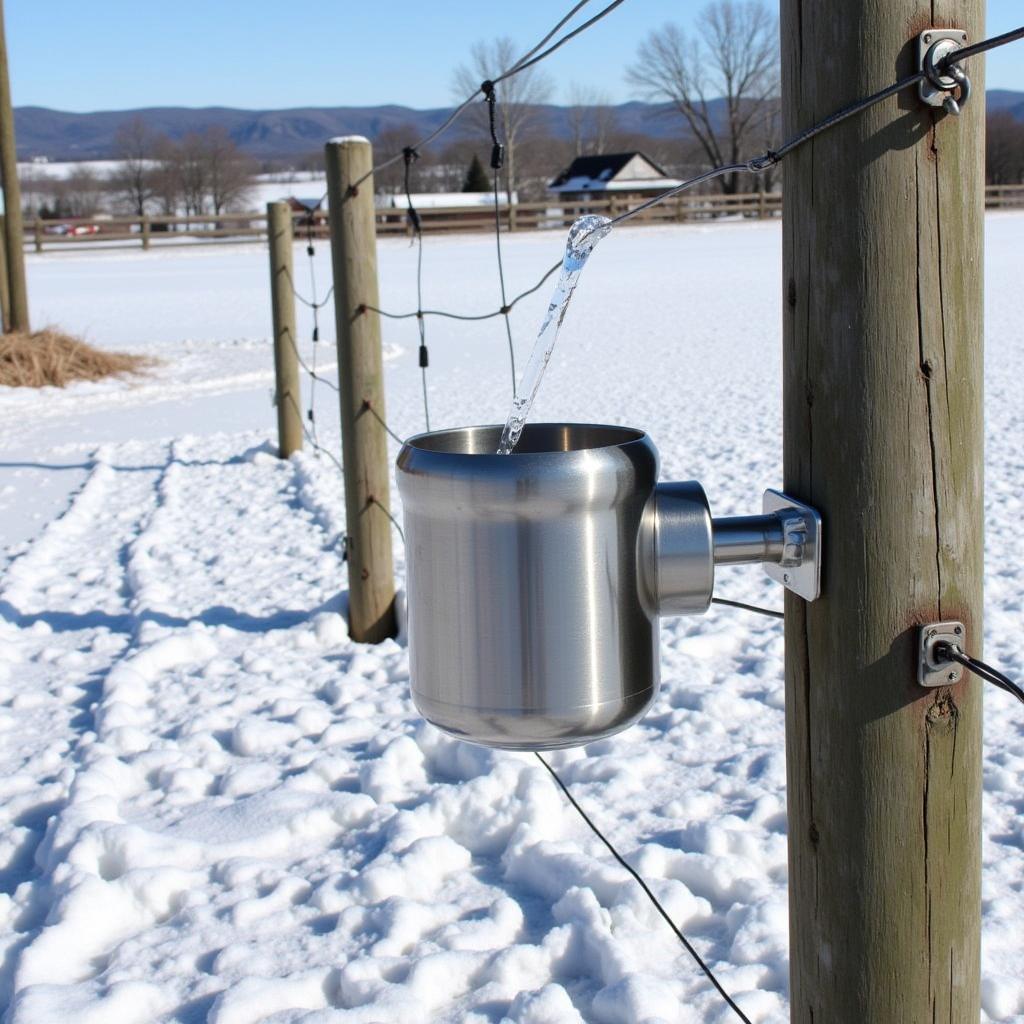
[287,396]
[13,227]
[5,291]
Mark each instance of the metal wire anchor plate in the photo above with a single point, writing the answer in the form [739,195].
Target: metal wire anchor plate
[930,671]
[951,39]
[800,568]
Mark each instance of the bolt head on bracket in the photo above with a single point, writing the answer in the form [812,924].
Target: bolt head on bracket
[800,567]
[940,43]
[931,671]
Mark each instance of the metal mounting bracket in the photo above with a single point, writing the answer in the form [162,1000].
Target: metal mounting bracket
[931,671]
[939,43]
[799,569]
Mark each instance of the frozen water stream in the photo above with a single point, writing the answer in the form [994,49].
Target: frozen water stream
[583,237]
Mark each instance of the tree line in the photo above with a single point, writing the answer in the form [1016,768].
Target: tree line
[203,172]
[717,84]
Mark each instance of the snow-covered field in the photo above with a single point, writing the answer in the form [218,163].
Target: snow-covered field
[216,807]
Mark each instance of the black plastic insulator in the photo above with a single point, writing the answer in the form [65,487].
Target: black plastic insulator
[424,357]
[310,250]
[316,333]
[497,156]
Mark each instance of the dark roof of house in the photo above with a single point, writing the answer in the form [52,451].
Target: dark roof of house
[602,167]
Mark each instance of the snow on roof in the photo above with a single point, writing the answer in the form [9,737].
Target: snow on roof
[582,184]
[622,172]
[427,200]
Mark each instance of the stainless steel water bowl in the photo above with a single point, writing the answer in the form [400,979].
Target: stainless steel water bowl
[535,580]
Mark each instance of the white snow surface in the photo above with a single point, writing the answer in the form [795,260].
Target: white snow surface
[214,806]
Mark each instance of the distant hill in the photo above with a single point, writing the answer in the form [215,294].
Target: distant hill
[1006,99]
[59,135]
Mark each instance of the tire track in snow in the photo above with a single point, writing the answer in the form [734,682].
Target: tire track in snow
[65,619]
[229,555]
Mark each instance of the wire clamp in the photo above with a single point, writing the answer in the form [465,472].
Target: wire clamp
[935,50]
[934,669]
[799,568]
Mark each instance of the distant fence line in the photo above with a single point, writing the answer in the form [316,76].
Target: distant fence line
[162,231]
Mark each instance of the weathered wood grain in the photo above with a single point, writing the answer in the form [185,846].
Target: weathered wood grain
[361,380]
[882,232]
[287,396]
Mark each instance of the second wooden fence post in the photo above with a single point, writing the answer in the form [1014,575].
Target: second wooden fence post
[361,389]
[287,397]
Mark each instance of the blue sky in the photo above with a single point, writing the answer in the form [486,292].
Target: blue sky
[119,54]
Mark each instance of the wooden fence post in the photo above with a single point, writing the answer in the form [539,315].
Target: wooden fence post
[882,367]
[287,396]
[361,380]
[37,234]
[146,227]
[5,288]
[13,226]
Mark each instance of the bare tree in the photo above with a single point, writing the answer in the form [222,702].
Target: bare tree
[228,171]
[190,170]
[79,194]
[1004,150]
[389,143]
[134,146]
[35,188]
[518,98]
[734,55]
[166,176]
[592,121]
[205,171]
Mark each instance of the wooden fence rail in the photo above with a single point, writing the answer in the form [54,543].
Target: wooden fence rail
[158,231]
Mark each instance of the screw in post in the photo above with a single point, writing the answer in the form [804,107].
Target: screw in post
[958,630]
[951,677]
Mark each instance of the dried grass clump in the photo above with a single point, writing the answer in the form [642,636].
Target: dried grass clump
[50,357]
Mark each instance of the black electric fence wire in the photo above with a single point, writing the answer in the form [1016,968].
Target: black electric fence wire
[757,164]
[464,316]
[771,157]
[523,63]
[570,14]
[952,652]
[394,522]
[749,607]
[411,155]
[380,419]
[311,370]
[527,60]
[315,306]
[981,47]
[646,888]
[497,160]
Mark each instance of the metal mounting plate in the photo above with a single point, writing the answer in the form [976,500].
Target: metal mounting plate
[803,578]
[953,39]
[931,672]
